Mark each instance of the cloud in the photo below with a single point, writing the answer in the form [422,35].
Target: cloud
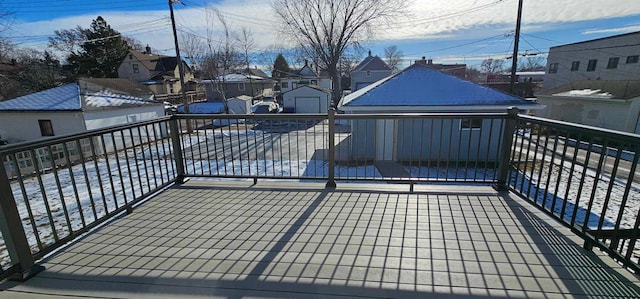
[625,29]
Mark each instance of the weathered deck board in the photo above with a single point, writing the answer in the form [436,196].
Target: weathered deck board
[298,240]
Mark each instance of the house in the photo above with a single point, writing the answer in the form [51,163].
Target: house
[159,72]
[609,104]
[304,76]
[610,58]
[233,85]
[307,99]
[85,105]
[370,70]
[422,89]
[458,69]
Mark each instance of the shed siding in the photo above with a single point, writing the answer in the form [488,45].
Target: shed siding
[23,126]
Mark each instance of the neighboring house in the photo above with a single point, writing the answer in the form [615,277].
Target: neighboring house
[458,70]
[233,85]
[304,76]
[610,58]
[159,72]
[422,89]
[73,108]
[609,104]
[370,70]
[307,99]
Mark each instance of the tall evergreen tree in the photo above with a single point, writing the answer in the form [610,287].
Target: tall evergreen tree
[101,53]
[280,67]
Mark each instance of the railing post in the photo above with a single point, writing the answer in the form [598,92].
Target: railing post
[504,157]
[13,233]
[331,181]
[177,149]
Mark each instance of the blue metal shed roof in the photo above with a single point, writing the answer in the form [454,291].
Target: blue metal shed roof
[420,85]
[61,98]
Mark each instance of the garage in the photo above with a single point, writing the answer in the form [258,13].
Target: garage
[307,99]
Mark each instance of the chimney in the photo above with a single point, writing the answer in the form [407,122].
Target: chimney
[147,49]
[306,62]
[369,53]
[430,61]
[422,61]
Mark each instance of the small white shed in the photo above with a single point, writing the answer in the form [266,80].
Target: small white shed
[240,104]
[307,99]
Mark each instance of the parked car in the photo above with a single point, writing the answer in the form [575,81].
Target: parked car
[265,107]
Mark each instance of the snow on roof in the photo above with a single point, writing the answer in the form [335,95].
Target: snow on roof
[420,85]
[203,108]
[591,93]
[61,98]
[232,78]
[104,99]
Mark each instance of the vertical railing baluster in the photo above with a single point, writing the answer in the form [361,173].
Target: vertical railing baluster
[505,157]
[106,159]
[150,158]
[73,183]
[43,192]
[585,226]
[574,159]
[612,180]
[582,180]
[99,176]
[177,149]
[144,161]
[331,182]
[116,154]
[54,169]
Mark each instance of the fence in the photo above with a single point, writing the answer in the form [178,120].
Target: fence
[86,179]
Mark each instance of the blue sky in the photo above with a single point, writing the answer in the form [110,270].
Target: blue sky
[447,31]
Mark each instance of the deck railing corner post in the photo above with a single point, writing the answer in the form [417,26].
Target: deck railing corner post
[13,233]
[177,149]
[504,158]
[331,180]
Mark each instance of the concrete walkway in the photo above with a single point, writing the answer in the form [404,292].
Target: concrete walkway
[297,240]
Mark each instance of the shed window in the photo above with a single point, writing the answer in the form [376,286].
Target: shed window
[240,86]
[575,66]
[632,59]
[285,84]
[46,128]
[613,63]
[591,66]
[553,68]
[473,123]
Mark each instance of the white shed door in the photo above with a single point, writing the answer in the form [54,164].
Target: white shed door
[307,105]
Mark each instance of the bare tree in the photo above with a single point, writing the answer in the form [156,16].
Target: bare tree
[532,63]
[393,57]
[492,66]
[133,43]
[326,28]
[193,48]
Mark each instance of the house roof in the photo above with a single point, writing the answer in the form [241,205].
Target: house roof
[420,85]
[78,97]
[315,87]
[238,78]
[158,65]
[597,39]
[372,63]
[612,89]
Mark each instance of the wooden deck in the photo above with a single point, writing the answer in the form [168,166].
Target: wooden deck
[298,240]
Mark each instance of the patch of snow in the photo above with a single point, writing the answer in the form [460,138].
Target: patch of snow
[591,93]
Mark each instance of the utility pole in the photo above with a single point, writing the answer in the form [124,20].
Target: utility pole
[514,62]
[179,62]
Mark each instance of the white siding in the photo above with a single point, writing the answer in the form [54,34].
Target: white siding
[113,117]
[297,97]
[23,126]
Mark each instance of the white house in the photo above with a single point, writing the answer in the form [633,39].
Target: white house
[610,58]
[609,104]
[422,89]
[307,99]
[369,70]
[304,76]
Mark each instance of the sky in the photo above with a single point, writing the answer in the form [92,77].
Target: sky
[446,31]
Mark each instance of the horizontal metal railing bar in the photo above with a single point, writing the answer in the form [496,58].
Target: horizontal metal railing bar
[499,115]
[279,116]
[608,233]
[27,145]
[625,136]
[343,178]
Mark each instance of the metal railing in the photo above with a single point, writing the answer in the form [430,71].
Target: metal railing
[57,189]
[584,177]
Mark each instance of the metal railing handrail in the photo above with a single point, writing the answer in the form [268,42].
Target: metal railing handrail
[626,136]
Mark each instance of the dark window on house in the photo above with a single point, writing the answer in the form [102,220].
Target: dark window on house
[613,62]
[553,68]
[130,56]
[135,67]
[632,59]
[285,84]
[575,66]
[170,87]
[241,86]
[473,123]
[591,66]
[368,73]
[314,82]
[46,128]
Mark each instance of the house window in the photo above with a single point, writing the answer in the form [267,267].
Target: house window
[314,82]
[240,86]
[170,87]
[591,66]
[368,73]
[46,128]
[613,62]
[285,84]
[553,68]
[135,67]
[575,66]
[130,56]
[473,123]
[632,59]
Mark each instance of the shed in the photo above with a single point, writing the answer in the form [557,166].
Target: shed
[307,99]
[240,105]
